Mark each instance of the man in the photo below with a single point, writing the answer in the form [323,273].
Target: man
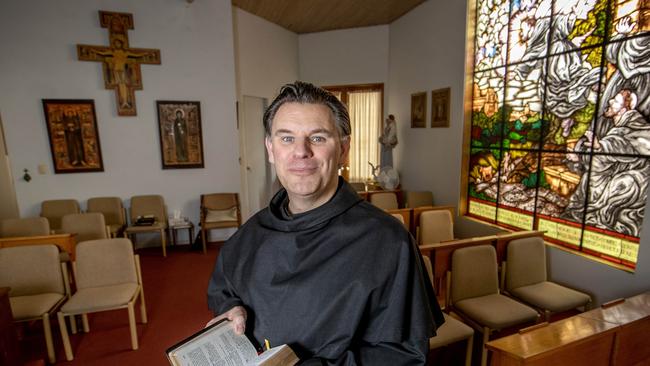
[319,269]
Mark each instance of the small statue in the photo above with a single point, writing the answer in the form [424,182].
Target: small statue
[388,141]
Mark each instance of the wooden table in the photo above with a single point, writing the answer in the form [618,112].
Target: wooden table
[632,315]
[65,242]
[575,341]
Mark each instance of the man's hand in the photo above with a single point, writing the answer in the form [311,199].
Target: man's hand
[237,315]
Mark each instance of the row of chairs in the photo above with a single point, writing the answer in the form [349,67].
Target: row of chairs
[107,277]
[475,293]
[389,201]
[218,211]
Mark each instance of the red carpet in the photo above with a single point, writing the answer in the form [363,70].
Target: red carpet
[175,296]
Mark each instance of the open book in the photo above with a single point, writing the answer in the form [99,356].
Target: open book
[219,345]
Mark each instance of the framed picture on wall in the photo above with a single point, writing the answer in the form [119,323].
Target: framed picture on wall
[440,107]
[181,140]
[419,110]
[74,138]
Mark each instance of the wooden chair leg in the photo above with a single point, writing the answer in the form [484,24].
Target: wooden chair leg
[73,324]
[64,337]
[47,330]
[468,351]
[143,308]
[162,239]
[134,333]
[204,239]
[84,322]
[486,338]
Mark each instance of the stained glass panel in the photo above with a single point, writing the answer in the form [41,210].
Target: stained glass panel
[491,34]
[561,121]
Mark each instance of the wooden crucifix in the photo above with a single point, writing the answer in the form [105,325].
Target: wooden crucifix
[120,63]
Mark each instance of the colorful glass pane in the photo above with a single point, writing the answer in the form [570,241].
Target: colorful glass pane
[491,34]
[487,112]
[629,18]
[484,165]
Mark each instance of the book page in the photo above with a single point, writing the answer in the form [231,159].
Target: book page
[219,346]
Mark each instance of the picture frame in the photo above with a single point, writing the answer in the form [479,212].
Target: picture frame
[440,103]
[181,138]
[419,110]
[73,135]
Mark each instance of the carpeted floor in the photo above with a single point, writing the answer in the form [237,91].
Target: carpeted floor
[175,295]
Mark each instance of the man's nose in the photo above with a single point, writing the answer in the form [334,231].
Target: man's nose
[302,148]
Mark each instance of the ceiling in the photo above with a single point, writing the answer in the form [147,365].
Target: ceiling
[307,16]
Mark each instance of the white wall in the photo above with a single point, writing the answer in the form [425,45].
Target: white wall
[39,60]
[266,58]
[341,57]
[427,51]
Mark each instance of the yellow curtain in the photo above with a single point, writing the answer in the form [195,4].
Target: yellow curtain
[365,116]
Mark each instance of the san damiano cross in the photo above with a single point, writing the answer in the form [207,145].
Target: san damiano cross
[120,64]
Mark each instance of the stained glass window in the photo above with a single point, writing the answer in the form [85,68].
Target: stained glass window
[560,123]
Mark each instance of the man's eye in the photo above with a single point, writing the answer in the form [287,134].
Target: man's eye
[286,138]
[317,139]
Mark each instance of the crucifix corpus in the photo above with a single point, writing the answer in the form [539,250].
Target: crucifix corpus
[120,63]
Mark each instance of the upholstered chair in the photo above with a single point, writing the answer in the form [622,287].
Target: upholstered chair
[29,226]
[435,226]
[526,279]
[218,211]
[54,210]
[153,205]
[113,211]
[474,294]
[384,200]
[34,274]
[108,277]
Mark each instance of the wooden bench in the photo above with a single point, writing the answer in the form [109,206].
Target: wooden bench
[611,335]
[65,242]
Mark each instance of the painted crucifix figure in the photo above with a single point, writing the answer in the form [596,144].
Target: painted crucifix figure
[120,63]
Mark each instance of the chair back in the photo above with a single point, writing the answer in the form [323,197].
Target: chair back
[87,226]
[419,199]
[105,262]
[429,267]
[148,205]
[384,200]
[220,207]
[526,262]
[399,217]
[473,272]
[358,186]
[110,207]
[31,270]
[436,226]
[54,210]
[29,226]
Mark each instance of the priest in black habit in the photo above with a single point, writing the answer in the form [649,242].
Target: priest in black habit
[320,269]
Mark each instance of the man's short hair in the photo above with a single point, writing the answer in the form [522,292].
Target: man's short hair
[306,93]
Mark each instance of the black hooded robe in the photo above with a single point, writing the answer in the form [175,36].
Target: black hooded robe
[342,284]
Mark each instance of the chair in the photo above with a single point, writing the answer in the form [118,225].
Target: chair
[36,279]
[218,211]
[108,277]
[419,199]
[30,226]
[87,226]
[436,226]
[399,217]
[358,186]
[526,279]
[148,205]
[474,294]
[54,210]
[113,211]
[453,330]
[384,200]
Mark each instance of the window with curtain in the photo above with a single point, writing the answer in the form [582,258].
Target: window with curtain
[560,128]
[365,105]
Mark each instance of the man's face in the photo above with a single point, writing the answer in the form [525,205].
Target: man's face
[306,150]
[615,106]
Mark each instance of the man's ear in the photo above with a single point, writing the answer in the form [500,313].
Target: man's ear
[345,150]
[269,149]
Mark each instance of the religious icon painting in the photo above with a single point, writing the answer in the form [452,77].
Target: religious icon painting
[440,107]
[419,110]
[73,135]
[181,141]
